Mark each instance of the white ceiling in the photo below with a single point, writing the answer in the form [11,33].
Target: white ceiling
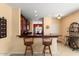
[38,10]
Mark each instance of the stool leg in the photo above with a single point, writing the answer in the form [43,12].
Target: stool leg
[44,50]
[31,50]
[50,50]
[25,51]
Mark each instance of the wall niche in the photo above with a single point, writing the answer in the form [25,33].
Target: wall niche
[3,27]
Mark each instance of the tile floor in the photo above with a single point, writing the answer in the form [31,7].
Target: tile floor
[62,51]
[66,51]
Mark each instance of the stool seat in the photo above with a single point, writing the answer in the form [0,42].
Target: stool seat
[47,43]
[28,43]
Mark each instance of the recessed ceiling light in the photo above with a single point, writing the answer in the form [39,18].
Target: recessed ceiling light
[35,11]
[36,15]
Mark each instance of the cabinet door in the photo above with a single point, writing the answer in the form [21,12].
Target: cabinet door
[23,25]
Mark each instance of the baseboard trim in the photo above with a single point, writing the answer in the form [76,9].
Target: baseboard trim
[4,54]
[22,53]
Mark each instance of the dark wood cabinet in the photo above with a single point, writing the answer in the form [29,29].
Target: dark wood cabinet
[25,25]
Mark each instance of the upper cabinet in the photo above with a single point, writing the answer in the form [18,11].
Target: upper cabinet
[25,25]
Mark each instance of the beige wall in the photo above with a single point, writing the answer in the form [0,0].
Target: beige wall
[5,42]
[11,44]
[66,21]
[54,26]
[17,43]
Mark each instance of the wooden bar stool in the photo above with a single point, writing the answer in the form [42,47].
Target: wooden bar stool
[47,43]
[28,43]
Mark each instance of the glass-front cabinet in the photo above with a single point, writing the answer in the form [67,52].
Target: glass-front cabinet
[38,27]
